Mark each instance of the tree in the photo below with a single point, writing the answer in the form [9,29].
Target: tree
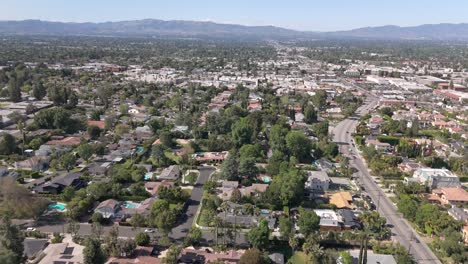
[251,151]
[319,99]
[73,228]
[241,132]
[166,139]
[230,168]
[14,89]
[247,168]
[97,218]
[11,241]
[172,255]
[287,188]
[312,248]
[252,256]
[85,151]
[68,161]
[345,257]
[321,129]
[94,132]
[195,235]
[299,145]
[407,205]
[18,202]
[121,129]
[7,144]
[93,253]
[142,239]
[137,220]
[259,237]
[104,93]
[310,115]
[68,193]
[309,222]
[286,228]
[162,216]
[39,91]
[277,138]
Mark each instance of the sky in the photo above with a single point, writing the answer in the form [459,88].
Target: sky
[310,15]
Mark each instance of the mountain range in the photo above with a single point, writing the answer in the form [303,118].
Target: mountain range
[197,29]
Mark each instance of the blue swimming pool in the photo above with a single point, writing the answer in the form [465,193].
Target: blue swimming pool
[130,205]
[140,150]
[148,176]
[57,206]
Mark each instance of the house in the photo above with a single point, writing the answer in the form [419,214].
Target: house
[324,164]
[372,258]
[67,252]
[129,209]
[98,168]
[276,258]
[207,255]
[108,208]
[459,214]
[382,146]
[141,255]
[181,129]
[409,167]
[67,141]
[36,163]
[317,181]
[451,195]
[256,188]
[153,187]
[375,122]
[341,200]
[99,124]
[226,189]
[436,178]
[33,246]
[210,157]
[329,219]
[171,173]
[57,184]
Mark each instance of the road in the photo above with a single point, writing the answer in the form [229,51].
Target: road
[402,230]
[178,233]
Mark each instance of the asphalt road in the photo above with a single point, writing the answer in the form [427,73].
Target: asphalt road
[402,230]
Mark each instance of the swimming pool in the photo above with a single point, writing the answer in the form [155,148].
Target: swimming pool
[57,206]
[266,179]
[140,150]
[130,205]
[148,176]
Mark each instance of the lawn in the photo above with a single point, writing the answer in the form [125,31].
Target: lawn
[299,257]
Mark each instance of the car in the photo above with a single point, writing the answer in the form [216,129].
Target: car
[149,230]
[31,229]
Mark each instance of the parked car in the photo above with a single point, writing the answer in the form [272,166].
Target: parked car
[31,229]
[149,230]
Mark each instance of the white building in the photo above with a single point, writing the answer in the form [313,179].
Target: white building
[436,178]
[317,181]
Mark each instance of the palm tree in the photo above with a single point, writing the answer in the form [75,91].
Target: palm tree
[293,242]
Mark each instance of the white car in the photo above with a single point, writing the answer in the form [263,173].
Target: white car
[30,229]
[149,230]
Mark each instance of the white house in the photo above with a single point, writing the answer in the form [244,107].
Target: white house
[317,181]
[436,178]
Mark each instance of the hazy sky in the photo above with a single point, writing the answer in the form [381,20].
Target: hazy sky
[320,15]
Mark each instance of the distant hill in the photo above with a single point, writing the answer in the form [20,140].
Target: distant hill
[146,27]
[179,28]
[430,32]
